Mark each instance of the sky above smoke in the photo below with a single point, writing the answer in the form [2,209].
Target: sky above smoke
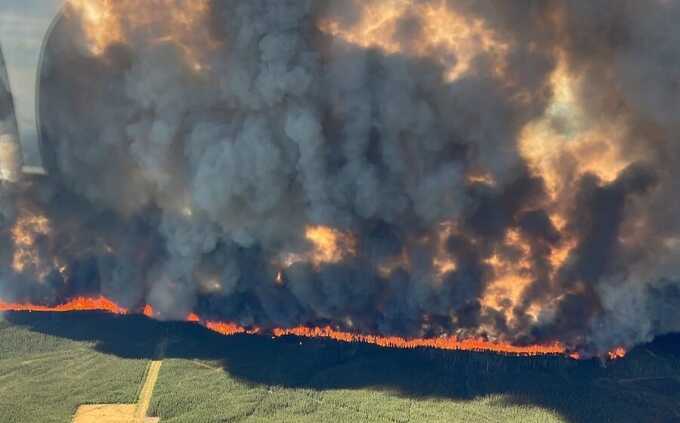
[413,168]
[23,26]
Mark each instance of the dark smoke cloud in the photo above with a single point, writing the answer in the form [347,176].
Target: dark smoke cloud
[185,189]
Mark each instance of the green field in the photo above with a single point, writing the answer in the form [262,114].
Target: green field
[50,363]
[43,378]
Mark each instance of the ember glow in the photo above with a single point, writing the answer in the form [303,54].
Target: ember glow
[617,353]
[148,311]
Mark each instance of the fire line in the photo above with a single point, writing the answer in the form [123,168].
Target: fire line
[103,304]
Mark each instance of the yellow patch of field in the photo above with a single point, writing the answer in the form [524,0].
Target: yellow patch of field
[147,390]
[125,413]
[105,413]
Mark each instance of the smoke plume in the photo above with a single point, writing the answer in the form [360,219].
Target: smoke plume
[488,169]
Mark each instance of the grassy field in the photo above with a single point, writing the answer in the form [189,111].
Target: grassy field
[191,391]
[44,378]
[217,379]
[210,378]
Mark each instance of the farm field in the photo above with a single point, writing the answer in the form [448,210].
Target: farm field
[52,363]
[45,377]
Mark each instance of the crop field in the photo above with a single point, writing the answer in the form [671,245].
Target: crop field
[44,377]
[52,363]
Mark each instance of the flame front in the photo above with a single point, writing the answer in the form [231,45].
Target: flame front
[226,328]
[77,304]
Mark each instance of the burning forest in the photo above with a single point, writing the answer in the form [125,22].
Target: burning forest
[456,174]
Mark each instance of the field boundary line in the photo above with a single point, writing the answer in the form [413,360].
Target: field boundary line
[145,395]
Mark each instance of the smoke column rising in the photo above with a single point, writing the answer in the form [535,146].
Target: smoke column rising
[479,169]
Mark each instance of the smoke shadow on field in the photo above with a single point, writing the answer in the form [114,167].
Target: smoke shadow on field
[644,386]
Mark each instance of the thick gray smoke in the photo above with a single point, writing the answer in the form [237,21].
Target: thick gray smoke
[187,173]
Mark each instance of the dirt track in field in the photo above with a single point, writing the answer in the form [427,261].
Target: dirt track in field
[147,390]
[126,413]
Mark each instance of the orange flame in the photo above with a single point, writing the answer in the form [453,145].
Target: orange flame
[511,278]
[226,328]
[575,355]
[148,311]
[108,22]
[329,246]
[568,131]
[76,304]
[442,262]
[25,233]
[452,39]
[443,343]
[617,353]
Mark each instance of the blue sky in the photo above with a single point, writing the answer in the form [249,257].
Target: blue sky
[23,24]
